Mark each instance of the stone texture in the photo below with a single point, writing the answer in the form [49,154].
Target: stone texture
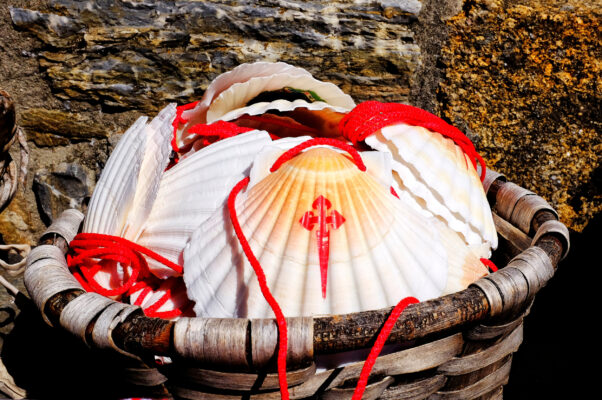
[54,127]
[140,55]
[500,70]
[67,186]
[18,223]
[525,83]
[95,66]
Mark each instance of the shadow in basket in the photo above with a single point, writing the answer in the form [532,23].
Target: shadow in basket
[49,364]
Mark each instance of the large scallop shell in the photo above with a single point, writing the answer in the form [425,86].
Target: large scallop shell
[227,96]
[192,190]
[380,250]
[434,175]
[378,164]
[240,74]
[230,104]
[126,190]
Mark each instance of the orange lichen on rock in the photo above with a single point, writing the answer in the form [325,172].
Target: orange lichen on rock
[525,83]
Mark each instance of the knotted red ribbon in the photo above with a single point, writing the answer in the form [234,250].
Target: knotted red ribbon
[89,250]
[370,116]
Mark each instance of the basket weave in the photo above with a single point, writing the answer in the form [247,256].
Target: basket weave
[457,346]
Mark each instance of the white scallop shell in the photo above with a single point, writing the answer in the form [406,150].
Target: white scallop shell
[434,175]
[230,91]
[127,187]
[240,74]
[126,190]
[154,162]
[239,94]
[279,105]
[382,252]
[192,190]
[114,192]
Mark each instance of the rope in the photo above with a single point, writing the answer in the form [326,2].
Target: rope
[489,264]
[211,133]
[261,278]
[178,120]
[356,158]
[89,247]
[379,344]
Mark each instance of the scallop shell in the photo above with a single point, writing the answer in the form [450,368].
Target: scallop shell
[240,74]
[380,250]
[192,190]
[378,164]
[230,104]
[114,192]
[434,175]
[126,190]
[226,96]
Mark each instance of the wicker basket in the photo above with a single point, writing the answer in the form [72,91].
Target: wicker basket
[457,346]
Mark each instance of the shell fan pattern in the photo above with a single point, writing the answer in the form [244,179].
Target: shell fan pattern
[334,228]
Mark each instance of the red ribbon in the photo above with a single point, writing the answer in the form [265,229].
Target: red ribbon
[263,285]
[489,264]
[356,158]
[211,133]
[178,120]
[379,344]
[90,249]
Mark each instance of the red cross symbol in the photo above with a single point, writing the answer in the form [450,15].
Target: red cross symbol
[324,221]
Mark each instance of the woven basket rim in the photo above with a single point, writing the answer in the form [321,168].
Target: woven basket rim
[482,300]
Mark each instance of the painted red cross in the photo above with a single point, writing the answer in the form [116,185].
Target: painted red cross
[334,220]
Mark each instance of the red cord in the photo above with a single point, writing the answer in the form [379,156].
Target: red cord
[379,344]
[261,278]
[357,159]
[89,247]
[180,120]
[370,116]
[211,133]
[489,264]
[152,310]
[145,290]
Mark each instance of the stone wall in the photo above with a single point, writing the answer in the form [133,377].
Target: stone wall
[521,77]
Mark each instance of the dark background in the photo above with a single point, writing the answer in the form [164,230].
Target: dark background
[562,329]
